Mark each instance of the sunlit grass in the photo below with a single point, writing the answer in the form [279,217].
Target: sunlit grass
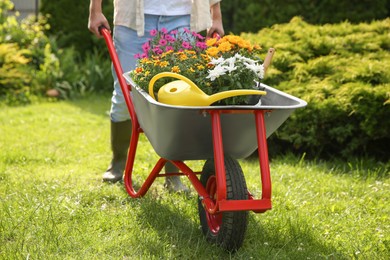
[53,204]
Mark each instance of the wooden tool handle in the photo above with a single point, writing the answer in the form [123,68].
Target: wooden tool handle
[268,59]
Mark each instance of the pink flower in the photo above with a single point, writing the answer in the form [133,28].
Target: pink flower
[157,50]
[164,30]
[146,47]
[169,48]
[186,45]
[186,30]
[201,45]
[153,32]
[174,32]
[199,36]
[163,42]
[169,38]
[137,56]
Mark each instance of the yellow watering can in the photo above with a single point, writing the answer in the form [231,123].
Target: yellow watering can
[184,92]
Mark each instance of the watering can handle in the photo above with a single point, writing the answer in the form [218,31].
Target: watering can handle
[172,75]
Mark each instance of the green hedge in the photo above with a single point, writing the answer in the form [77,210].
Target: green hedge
[26,58]
[253,15]
[343,72]
[68,21]
[31,62]
[69,18]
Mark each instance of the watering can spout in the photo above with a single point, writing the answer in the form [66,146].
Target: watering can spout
[233,93]
[184,92]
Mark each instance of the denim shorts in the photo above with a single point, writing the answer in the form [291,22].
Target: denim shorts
[128,44]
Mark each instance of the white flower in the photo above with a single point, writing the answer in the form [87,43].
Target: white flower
[245,59]
[230,60]
[217,61]
[216,72]
[238,56]
[256,68]
[231,64]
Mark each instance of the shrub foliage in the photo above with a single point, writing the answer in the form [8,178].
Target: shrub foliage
[343,72]
[74,32]
[31,63]
[238,16]
[259,14]
[25,52]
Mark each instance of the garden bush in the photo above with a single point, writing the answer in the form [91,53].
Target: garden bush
[343,72]
[238,16]
[32,63]
[74,32]
[253,15]
[14,73]
[23,48]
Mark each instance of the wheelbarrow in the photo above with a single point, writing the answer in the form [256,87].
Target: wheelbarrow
[219,135]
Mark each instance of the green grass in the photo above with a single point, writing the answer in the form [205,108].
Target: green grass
[53,204]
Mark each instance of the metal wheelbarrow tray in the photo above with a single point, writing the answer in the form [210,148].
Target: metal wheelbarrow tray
[218,134]
[184,133]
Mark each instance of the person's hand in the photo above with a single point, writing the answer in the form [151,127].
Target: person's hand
[217,26]
[97,19]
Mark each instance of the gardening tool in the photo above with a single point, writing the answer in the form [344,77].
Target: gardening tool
[184,92]
[268,59]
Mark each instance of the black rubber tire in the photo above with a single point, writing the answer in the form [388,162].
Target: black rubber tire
[225,229]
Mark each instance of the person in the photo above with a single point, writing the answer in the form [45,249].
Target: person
[133,21]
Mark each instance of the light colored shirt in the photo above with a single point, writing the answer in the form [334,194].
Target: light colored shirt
[164,7]
[130,13]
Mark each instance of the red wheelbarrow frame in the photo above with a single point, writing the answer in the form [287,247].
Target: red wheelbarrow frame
[220,204]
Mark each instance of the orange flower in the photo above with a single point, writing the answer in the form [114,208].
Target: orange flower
[175,69]
[211,42]
[164,64]
[205,57]
[212,51]
[233,38]
[190,52]
[200,67]
[183,56]
[245,45]
[225,47]
[166,53]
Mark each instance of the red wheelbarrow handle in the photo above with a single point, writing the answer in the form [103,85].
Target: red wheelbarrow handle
[136,129]
[118,70]
[114,57]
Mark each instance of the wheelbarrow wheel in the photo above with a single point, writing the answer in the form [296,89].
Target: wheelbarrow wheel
[226,229]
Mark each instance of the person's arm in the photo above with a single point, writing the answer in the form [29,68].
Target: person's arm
[96,17]
[216,17]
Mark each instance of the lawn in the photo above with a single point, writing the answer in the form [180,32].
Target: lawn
[53,204]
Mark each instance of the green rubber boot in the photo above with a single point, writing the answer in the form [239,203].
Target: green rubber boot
[173,183]
[120,140]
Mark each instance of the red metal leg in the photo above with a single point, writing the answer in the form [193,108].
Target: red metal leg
[129,169]
[209,204]
[259,205]
[219,158]
[263,155]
